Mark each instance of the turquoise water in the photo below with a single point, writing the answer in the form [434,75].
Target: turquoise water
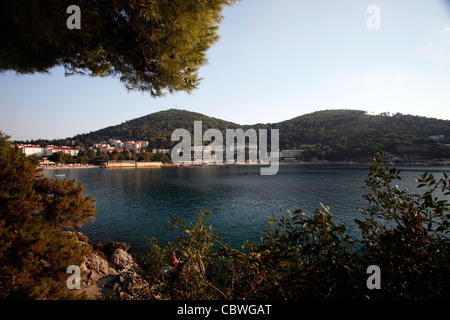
[134,204]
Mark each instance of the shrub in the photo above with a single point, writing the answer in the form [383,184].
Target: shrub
[406,234]
[305,256]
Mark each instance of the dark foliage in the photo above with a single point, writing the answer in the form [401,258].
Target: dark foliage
[35,212]
[305,256]
[350,134]
[151,46]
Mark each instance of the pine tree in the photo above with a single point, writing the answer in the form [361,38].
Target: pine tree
[35,212]
[153,46]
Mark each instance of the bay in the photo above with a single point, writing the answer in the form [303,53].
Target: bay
[134,204]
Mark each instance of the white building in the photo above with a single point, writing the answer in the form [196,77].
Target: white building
[161,150]
[129,145]
[30,149]
[115,143]
[112,144]
[143,144]
[49,150]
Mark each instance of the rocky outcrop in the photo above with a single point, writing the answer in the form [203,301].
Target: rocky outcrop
[122,259]
[109,270]
[107,249]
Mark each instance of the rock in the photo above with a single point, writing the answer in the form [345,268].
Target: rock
[101,276]
[107,249]
[98,247]
[110,247]
[122,259]
[131,286]
[99,264]
[81,237]
[96,268]
[112,271]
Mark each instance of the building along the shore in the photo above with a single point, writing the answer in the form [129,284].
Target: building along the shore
[130,164]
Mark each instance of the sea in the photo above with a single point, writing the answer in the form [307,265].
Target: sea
[135,204]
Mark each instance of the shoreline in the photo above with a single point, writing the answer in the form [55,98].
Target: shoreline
[431,163]
[65,167]
[400,164]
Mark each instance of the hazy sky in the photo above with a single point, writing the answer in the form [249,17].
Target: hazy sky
[276,59]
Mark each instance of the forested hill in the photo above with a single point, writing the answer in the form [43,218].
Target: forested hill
[355,133]
[349,133]
[156,128]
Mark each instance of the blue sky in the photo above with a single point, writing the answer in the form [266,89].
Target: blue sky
[275,60]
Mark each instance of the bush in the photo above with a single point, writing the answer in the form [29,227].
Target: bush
[312,257]
[406,234]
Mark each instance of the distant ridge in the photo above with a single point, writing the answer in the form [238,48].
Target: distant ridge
[349,133]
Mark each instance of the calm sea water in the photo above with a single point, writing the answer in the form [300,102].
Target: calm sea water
[134,204]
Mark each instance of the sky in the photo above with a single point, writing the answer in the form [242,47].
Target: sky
[276,60]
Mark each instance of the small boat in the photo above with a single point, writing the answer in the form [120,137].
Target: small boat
[60,175]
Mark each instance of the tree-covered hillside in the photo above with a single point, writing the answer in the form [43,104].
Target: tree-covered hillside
[353,133]
[331,134]
[156,128]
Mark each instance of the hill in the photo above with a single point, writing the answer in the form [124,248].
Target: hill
[354,133]
[156,128]
[343,134]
